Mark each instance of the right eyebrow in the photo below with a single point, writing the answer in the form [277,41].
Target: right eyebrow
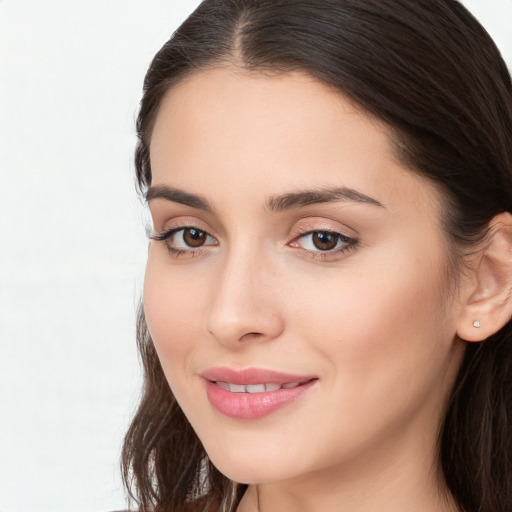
[176,195]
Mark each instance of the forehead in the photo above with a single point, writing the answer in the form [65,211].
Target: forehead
[287,130]
[294,95]
[232,107]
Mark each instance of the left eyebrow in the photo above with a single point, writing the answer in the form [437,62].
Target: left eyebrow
[328,195]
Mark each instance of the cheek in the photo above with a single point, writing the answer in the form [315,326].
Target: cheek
[382,327]
[174,312]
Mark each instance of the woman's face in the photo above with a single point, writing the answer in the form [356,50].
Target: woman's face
[296,287]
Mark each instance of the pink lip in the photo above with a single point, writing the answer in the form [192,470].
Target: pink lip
[252,406]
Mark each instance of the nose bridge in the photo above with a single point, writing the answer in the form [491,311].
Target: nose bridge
[243,305]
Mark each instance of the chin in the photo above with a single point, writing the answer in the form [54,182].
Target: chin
[250,473]
[245,467]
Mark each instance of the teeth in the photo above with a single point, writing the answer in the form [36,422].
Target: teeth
[236,388]
[290,385]
[255,388]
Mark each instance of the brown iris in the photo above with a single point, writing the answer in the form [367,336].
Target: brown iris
[325,241]
[194,237]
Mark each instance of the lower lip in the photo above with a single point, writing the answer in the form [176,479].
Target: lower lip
[251,406]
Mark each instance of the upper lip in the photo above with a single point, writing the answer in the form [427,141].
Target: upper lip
[248,376]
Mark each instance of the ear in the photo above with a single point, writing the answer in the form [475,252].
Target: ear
[488,303]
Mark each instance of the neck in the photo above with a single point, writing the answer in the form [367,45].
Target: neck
[393,480]
[380,498]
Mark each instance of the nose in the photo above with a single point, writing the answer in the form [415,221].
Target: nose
[245,304]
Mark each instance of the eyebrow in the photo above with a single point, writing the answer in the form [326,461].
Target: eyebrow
[275,204]
[178,196]
[327,195]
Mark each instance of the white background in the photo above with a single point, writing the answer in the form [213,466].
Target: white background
[72,242]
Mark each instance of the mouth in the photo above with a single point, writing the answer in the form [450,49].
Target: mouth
[251,394]
[255,388]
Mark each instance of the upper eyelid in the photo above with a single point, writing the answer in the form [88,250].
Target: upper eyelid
[318,226]
[302,227]
[173,224]
[167,233]
[322,230]
[315,222]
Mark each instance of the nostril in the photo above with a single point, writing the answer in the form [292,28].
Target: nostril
[251,335]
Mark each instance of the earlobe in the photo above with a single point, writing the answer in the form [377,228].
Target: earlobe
[488,306]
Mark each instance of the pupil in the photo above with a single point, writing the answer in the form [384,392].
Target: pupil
[194,237]
[325,241]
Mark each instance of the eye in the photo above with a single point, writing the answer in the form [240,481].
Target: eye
[185,240]
[324,241]
[190,237]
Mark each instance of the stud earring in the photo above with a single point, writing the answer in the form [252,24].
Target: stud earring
[476,323]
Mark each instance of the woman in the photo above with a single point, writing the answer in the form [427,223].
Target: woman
[327,303]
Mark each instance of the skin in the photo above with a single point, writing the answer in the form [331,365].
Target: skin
[375,321]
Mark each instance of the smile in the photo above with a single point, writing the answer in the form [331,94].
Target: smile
[255,388]
[251,394]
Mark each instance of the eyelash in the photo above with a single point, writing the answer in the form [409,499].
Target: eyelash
[349,242]
[166,237]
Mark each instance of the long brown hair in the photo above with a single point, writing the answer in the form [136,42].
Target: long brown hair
[429,71]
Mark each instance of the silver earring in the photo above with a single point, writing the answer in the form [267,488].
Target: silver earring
[476,323]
